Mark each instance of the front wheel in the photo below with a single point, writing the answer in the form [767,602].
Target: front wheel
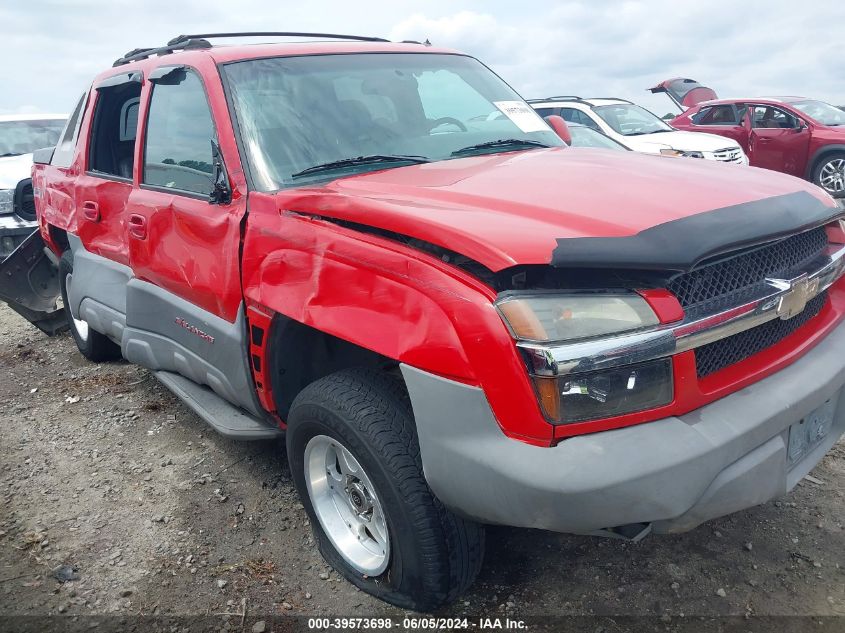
[354,457]
[93,345]
[829,174]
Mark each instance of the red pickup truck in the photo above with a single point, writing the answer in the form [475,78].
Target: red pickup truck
[380,251]
[796,135]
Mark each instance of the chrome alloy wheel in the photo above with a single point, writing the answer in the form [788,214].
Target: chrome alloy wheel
[347,505]
[80,325]
[832,175]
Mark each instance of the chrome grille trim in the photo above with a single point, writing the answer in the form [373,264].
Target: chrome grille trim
[728,155]
[559,359]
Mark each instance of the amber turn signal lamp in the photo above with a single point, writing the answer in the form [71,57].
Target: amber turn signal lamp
[549,392]
[523,321]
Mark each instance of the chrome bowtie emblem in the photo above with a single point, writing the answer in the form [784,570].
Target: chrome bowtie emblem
[796,295]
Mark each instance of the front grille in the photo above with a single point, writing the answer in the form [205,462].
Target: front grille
[728,155]
[714,356]
[731,282]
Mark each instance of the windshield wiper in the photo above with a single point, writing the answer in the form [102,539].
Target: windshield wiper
[505,143]
[375,159]
[8,154]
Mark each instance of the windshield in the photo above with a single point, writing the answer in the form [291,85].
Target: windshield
[24,137]
[583,136]
[821,112]
[297,113]
[631,120]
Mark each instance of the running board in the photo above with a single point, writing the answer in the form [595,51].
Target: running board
[225,418]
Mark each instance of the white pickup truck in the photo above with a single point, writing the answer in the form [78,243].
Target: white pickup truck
[20,135]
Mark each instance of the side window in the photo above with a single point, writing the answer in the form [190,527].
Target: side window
[716,115]
[63,154]
[177,154]
[701,115]
[569,115]
[586,119]
[112,150]
[544,112]
[768,117]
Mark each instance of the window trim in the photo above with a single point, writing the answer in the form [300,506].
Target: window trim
[79,111]
[120,79]
[160,188]
[133,77]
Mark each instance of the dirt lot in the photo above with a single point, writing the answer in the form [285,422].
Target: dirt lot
[106,477]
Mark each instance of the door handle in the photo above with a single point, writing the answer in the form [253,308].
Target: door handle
[138,226]
[91,211]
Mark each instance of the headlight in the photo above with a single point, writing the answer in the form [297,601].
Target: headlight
[677,152]
[606,394]
[565,318]
[7,201]
[544,318]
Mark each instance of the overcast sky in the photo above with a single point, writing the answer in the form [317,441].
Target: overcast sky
[50,49]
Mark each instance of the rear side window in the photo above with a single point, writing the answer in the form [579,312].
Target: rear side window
[63,155]
[576,116]
[544,112]
[179,133]
[115,123]
[716,115]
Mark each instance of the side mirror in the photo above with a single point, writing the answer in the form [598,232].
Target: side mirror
[221,192]
[800,126]
[559,126]
[43,156]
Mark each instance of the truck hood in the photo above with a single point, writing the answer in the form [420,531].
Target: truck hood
[13,169]
[680,140]
[518,208]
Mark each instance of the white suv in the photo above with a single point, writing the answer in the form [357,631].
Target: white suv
[20,135]
[639,129]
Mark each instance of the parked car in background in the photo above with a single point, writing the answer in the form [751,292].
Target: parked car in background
[381,252]
[20,135]
[795,135]
[639,129]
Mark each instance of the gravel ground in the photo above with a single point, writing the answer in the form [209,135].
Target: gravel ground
[106,478]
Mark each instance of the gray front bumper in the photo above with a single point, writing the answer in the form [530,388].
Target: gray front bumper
[674,473]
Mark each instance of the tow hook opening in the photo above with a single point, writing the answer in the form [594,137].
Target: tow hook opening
[632,532]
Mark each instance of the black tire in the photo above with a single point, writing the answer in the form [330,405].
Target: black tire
[817,172]
[434,554]
[95,346]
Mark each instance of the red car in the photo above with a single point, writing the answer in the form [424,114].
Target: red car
[381,252]
[796,135]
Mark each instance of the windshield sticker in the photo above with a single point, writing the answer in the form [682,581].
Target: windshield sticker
[522,115]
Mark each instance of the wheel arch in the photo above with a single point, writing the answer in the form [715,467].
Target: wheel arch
[819,154]
[298,355]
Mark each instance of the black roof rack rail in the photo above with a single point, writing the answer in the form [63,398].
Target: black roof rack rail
[185,42]
[143,53]
[332,36]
